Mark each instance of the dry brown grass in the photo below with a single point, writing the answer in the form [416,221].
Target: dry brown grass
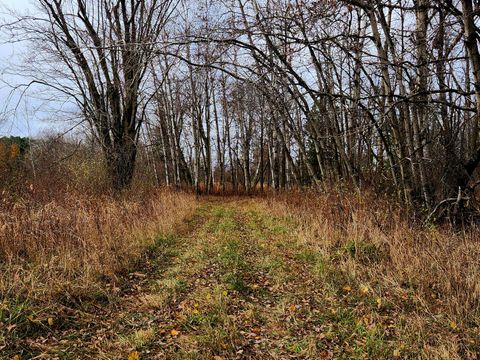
[68,245]
[429,274]
[311,275]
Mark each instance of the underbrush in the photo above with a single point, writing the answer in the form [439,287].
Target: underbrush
[429,275]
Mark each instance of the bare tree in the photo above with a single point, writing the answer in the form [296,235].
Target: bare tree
[106,48]
[277,93]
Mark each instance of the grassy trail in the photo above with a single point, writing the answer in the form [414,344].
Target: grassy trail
[235,282]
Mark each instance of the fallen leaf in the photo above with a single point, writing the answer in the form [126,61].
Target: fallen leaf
[133,356]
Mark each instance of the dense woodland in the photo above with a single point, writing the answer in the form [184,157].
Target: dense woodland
[280,94]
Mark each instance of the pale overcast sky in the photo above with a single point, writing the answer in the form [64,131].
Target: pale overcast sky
[27,119]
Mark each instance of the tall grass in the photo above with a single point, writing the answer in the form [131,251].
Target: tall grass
[69,243]
[374,240]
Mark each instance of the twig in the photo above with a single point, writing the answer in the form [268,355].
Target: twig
[449,200]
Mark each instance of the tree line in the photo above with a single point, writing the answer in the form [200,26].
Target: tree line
[270,93]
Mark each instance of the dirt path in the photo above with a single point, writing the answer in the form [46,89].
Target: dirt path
[234,283]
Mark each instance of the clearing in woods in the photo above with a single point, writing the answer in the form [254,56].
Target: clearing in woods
[235,282]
